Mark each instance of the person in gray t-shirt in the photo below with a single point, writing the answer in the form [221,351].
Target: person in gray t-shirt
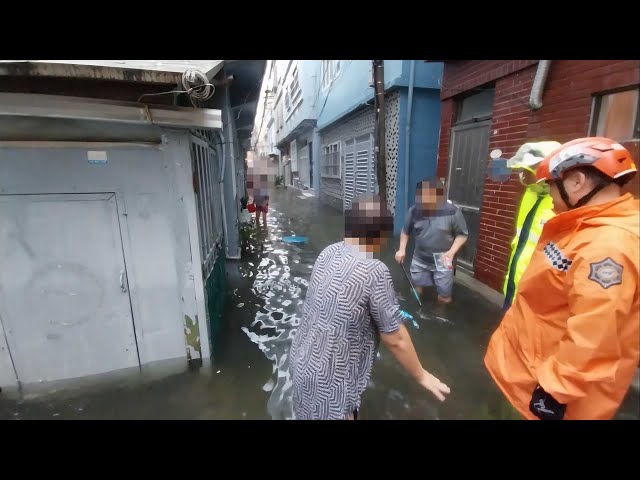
[440,231]
[350,306]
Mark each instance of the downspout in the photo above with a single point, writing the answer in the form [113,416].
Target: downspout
[412,78]
[220,151]
[535,100]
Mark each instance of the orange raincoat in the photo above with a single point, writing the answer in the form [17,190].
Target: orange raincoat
[574,327]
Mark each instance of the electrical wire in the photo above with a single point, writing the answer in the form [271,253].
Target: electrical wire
[204,91]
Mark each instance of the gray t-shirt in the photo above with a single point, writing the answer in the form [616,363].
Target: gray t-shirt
[350,300]
[261,197]
[434,231]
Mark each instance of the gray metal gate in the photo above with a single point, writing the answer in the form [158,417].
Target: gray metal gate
[359,171]
[465,184]
[207,185]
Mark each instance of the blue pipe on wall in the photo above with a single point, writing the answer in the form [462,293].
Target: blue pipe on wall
[412,78]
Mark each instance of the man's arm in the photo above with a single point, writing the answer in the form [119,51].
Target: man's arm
[461,232]
[404,237]
[602,284]
[459,241]
[386,315]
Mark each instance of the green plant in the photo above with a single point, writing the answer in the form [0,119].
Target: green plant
[279,180]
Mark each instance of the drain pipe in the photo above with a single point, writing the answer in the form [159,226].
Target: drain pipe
[535,100]
[412,78]
[221,154]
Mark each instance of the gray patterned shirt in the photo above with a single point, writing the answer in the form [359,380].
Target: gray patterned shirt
[435,231]
[350,300]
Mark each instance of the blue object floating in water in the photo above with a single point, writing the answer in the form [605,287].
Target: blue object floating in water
[294,239]
[408,316]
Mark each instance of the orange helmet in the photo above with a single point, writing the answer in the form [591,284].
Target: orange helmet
[604,154]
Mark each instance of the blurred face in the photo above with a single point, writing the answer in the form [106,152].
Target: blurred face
[429,197]
[528,178]
[374,245]
[370,216]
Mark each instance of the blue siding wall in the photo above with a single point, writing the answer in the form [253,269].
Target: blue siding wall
[423,152]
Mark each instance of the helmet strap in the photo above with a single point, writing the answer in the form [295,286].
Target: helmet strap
[583,200]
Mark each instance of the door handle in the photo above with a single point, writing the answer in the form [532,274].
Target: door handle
[123,287]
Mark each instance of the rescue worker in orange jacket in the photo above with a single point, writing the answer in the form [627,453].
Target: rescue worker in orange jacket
[569,345]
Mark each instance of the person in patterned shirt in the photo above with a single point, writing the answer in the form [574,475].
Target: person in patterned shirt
[350,306]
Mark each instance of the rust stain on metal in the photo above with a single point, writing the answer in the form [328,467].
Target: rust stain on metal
[91,72]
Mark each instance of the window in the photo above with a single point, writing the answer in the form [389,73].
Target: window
[477,106]
[330,70]
[331,161]
[293,92]
[617,115]
[269,100]
[287,101]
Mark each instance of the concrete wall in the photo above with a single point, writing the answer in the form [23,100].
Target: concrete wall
[154,187]
[565,115]
[234,179]
[308,78]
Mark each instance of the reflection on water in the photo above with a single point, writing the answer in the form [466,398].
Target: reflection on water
[281,284]
[449,339]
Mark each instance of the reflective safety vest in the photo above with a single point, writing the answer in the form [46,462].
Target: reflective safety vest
[533,213]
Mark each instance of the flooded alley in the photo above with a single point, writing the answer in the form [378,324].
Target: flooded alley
[248,377]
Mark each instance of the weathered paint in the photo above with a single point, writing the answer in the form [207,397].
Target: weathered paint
[193,297]
[7,372]
[192,334]
[144,71]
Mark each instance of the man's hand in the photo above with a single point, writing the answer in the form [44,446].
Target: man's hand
[449,256]
[400,255]
[434,385]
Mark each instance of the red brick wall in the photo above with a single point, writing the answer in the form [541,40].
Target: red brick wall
[462,76]
[447,118]
[500,200]
[565,115]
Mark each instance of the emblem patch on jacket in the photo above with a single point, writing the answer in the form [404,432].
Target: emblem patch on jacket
[606,273]
[556,257]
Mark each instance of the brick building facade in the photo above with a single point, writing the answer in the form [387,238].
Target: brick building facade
[580,98]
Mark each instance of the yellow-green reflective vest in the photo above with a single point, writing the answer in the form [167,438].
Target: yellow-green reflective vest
[533,213]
